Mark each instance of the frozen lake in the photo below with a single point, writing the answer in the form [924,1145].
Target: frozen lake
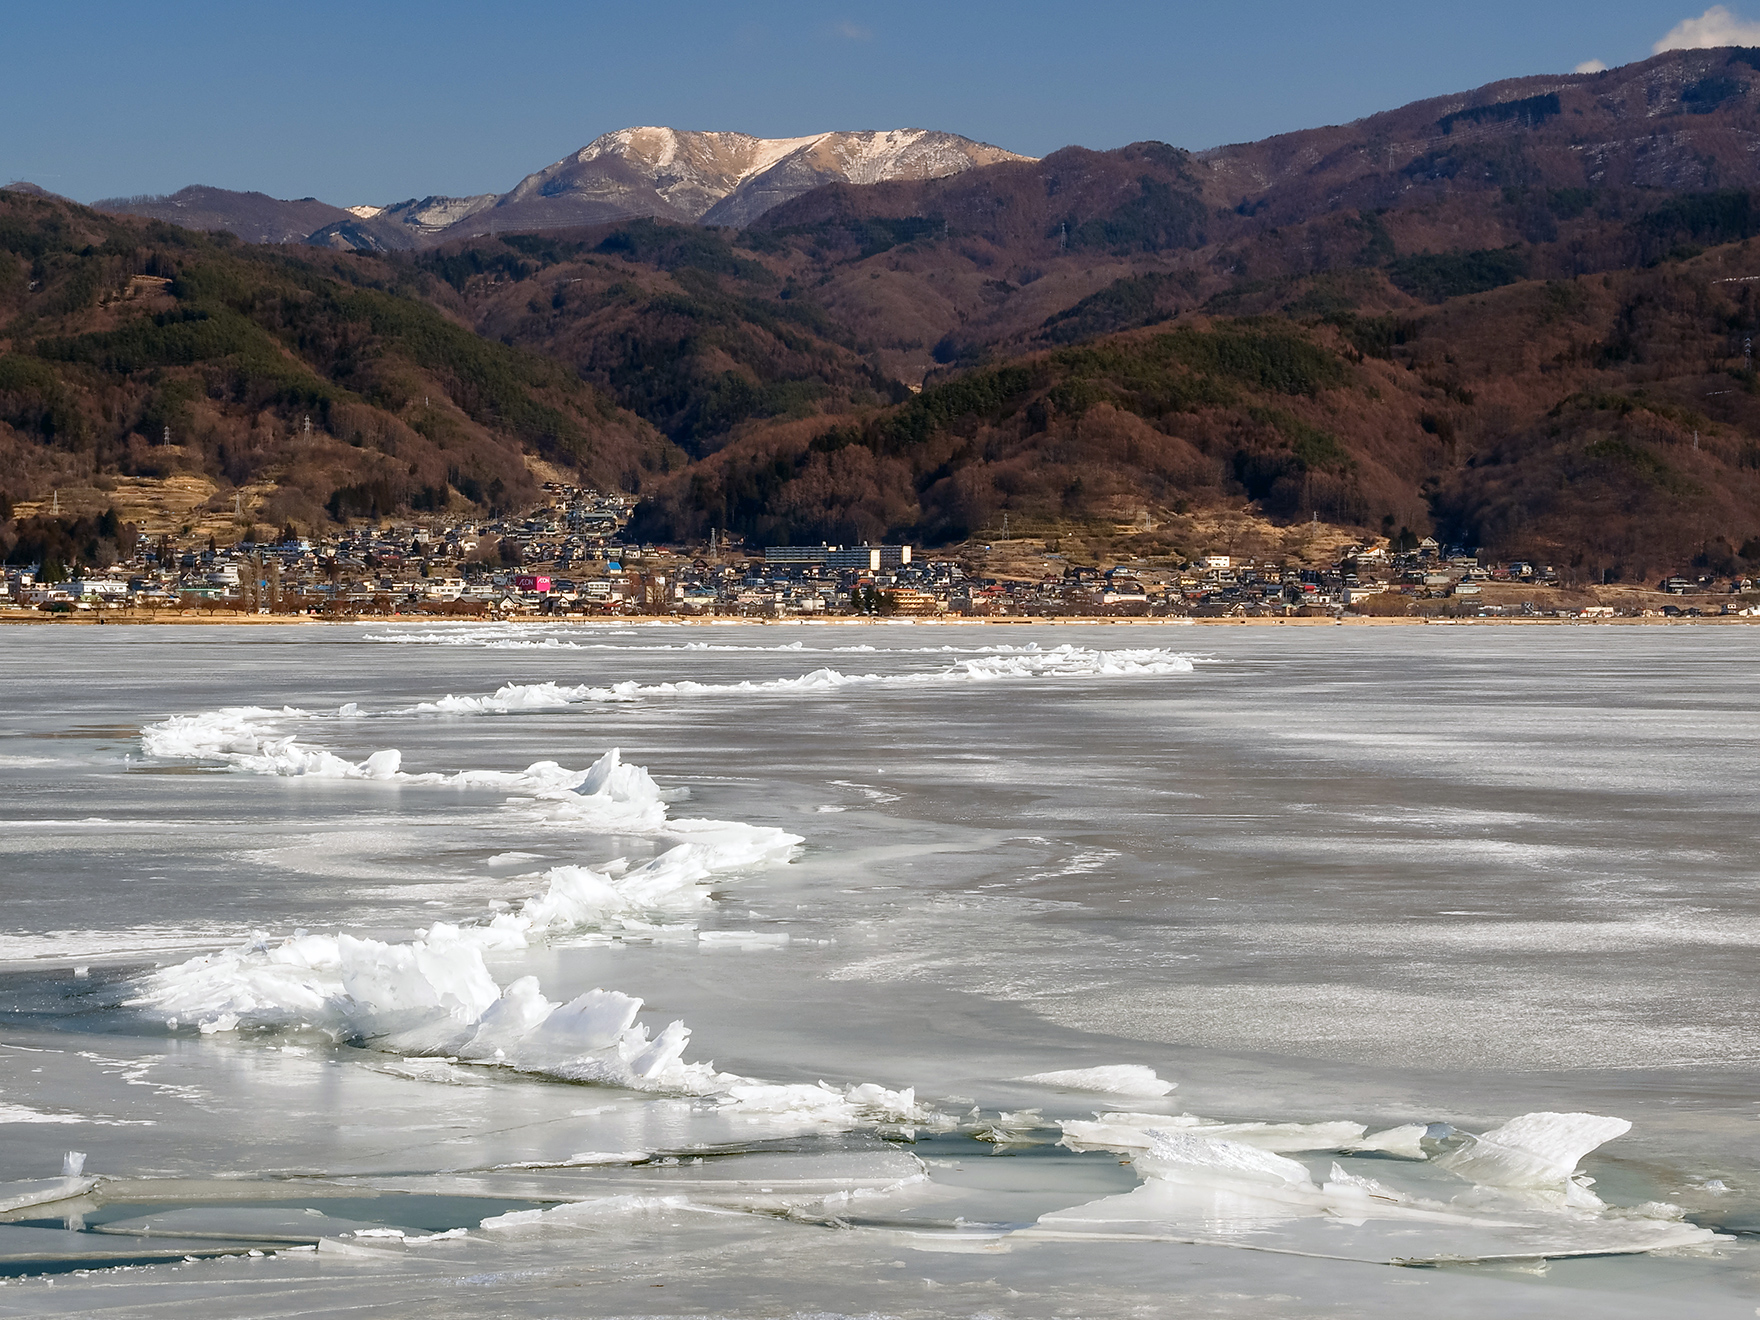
[981,971]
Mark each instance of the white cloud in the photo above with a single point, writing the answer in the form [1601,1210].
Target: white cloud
[1717,26]
[1591,66]
[854,31]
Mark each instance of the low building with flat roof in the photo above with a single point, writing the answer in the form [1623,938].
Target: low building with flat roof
[869,557]
[798,554]
[872,558]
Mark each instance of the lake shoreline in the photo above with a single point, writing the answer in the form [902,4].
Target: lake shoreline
[183,618]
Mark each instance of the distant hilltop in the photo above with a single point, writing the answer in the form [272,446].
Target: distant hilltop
[661,173]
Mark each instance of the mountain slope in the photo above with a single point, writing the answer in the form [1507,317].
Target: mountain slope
[677,324]
[253,216]
[25,186]
[140,348]
[857,158]
[400,226]
[719,178]
[1683,120]
[1537,177]
[1515,161]
[1609,425]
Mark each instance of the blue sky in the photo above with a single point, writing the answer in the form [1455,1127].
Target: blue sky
[375,102]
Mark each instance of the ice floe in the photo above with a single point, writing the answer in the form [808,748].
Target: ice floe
[1537,1152]
[1117,1078]
[1236,1185]
[819,1103]
[818,1182]
[45,1191]
[1129,1133]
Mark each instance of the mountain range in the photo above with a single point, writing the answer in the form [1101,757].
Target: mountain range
[1519,317]
[663,173]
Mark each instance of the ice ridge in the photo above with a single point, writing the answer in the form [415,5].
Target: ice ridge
[522,636]
[608,795]
[1526,1197]
[434,994]
[1059,662]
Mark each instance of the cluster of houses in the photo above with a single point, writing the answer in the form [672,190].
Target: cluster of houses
[570,558]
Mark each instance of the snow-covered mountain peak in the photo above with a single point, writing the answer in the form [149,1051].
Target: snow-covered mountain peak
[694,171]
[684,175]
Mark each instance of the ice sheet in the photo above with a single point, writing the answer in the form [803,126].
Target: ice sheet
[1009,853]
[1201,1186]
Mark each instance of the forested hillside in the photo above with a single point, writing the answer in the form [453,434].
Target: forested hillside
[137,348]
[1608,424]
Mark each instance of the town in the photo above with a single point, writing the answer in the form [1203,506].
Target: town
[569,558]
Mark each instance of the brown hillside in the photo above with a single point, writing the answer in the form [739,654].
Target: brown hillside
[135,348]
[1682,121]
[1606,424]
